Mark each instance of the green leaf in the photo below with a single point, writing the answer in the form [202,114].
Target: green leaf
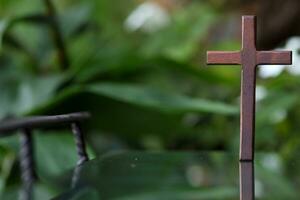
[22,94]
[277,101]
[7,163]
[54,161]
[141,96]
[164,101]
[224,192]
[74,17]
[57,100]
[280,185]
[36,18]
[3,28]
[180,41]
[40,191]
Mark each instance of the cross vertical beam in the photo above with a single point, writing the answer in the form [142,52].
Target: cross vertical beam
[247,119]
[249,58]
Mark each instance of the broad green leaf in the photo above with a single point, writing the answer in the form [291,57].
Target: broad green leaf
[152,98]
[146,97]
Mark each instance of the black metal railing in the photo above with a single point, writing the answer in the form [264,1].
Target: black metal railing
[26,125]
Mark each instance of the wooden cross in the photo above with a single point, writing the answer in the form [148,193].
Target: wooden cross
[249,58]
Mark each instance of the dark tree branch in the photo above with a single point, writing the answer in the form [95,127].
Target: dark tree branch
[279,20]
[57,35]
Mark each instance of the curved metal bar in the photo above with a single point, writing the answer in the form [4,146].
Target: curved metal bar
[11,125]
[80,143]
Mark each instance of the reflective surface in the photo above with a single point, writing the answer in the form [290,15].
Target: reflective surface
[247,180]
[185,176]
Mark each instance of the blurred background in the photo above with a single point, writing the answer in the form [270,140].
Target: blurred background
[139,67]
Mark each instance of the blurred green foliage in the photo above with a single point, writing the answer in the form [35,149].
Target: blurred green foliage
[145,90]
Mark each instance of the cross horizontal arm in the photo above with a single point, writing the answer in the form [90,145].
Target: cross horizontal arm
[274,57]
[223,57]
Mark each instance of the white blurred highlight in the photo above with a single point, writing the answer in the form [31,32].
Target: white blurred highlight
[269,71]
[148,16]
